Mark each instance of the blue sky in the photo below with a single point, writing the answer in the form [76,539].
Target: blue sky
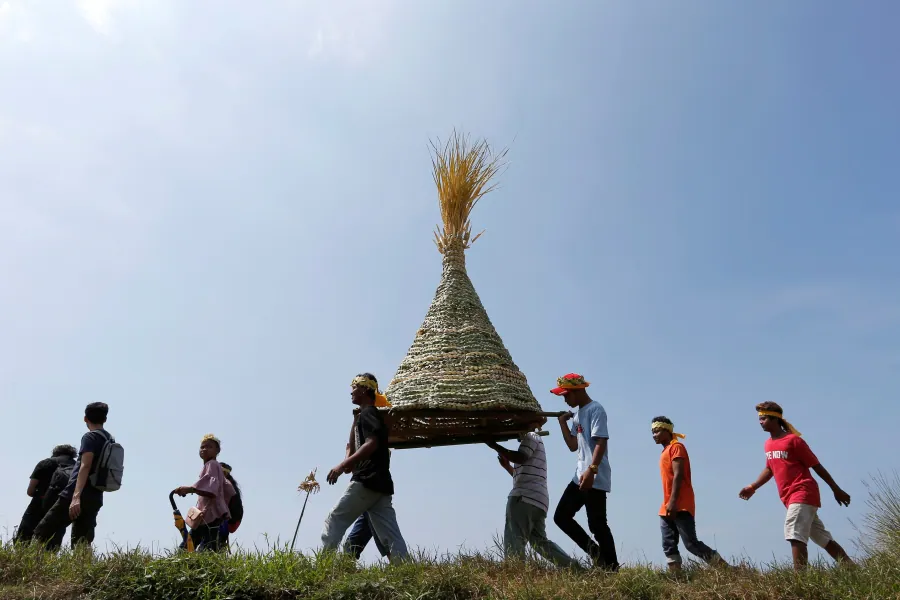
[213,220]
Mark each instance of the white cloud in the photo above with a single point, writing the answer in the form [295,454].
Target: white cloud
[351,31]
[98,14]
[15,23]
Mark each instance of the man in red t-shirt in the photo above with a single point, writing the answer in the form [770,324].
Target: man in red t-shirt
[789,459]
[676,516]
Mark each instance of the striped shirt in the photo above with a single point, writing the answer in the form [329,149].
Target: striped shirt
[530,477]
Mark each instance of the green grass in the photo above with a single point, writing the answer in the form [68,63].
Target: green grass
[30,573]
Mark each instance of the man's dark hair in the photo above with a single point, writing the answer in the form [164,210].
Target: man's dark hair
[64,450]
[373,378]
[96,412]
[773,407]
[661,420]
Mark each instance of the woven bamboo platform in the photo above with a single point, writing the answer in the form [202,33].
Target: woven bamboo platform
[429,428]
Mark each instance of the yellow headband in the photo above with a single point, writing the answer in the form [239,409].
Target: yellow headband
[365,382]
[668,427]
[211,438]
[381,400]
[778,415]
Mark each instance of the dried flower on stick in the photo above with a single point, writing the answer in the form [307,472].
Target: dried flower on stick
[309,485]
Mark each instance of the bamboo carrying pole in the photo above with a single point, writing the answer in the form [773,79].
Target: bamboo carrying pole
[454,441]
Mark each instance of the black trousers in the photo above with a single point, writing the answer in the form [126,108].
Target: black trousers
[209,538]
[33,515]
[57,518]
[30,520]
[603,551]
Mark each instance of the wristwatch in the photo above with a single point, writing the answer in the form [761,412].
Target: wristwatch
[593,469]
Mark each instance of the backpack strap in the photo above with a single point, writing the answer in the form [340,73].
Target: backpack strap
[95,467]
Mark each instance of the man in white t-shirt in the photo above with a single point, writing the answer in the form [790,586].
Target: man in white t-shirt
[588,436]
[526,508]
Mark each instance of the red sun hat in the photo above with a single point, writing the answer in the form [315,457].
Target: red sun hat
[571,381]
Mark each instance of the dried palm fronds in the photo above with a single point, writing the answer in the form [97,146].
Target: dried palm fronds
[457,361]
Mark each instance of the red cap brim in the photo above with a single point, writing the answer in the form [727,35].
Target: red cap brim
[559,391]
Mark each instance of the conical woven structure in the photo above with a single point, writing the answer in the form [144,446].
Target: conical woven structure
[457,361]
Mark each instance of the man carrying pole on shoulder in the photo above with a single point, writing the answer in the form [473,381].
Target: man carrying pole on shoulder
[588,436]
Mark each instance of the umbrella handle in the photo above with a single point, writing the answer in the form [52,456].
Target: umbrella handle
[186,538]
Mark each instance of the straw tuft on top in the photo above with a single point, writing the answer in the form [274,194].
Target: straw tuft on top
[463,173]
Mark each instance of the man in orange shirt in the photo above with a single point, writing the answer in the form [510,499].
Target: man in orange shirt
[677,512]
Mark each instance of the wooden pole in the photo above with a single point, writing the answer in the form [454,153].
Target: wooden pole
[456,441]
[298,521]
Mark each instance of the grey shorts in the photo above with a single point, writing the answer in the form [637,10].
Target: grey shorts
[802,523]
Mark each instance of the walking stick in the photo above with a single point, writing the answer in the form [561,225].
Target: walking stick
[310,486]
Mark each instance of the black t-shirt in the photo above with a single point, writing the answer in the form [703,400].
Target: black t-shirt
[92,441]
[374,472]
[43,472]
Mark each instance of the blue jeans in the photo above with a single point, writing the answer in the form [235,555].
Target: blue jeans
[683,526]
[359,537]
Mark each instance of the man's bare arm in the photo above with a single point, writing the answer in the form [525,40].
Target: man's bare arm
[84,472]
[352,441]
[571,440]
[763,478]
[677,480]
[364,451]
[513,456]
[599,450]
[842,497]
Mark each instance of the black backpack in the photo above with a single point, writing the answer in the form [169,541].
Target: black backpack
[58,483]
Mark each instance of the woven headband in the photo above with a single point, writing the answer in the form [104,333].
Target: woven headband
[778,415]
[572,383]
[381,400]
[369,384]
[668,427]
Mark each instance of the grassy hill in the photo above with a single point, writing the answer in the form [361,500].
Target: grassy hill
[28,572]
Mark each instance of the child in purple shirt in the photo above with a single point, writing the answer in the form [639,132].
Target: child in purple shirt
[215,492]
